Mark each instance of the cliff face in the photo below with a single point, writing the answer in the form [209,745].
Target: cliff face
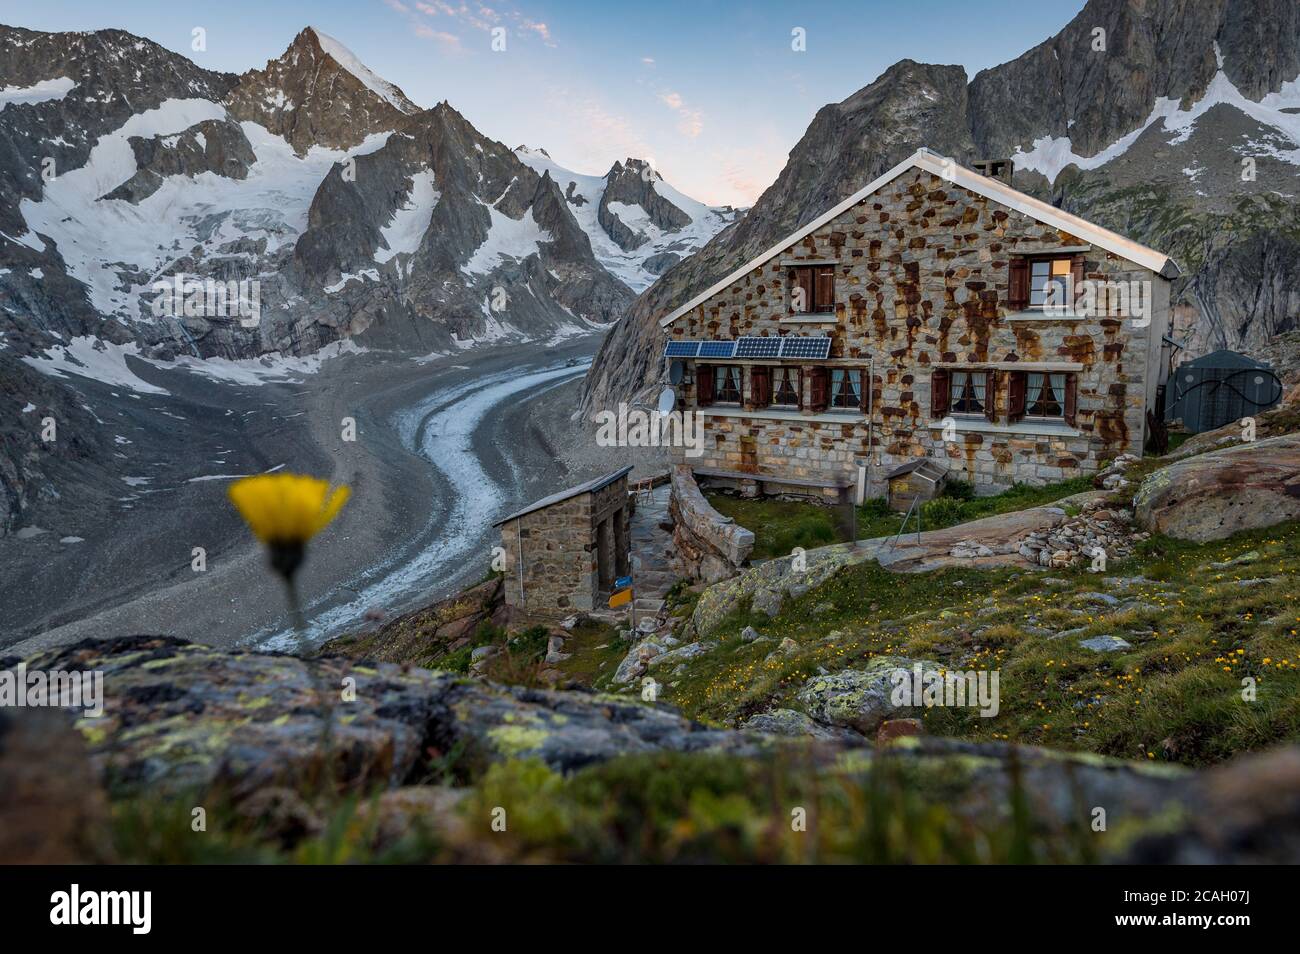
[1148,136]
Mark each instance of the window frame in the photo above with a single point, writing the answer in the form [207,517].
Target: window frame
[1047,377]
[832,396]
[782,371]
[1050,261]
[983,412]
[719,371]
[815,305]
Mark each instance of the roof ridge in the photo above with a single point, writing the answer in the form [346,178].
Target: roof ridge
[948,168]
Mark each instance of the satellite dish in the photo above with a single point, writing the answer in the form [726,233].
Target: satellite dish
[667,400]
[676,371]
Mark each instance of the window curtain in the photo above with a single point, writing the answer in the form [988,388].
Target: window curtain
[1034,390]
[1054,385]
[844,389]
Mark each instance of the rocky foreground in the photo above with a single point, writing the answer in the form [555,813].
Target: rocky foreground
[274,747]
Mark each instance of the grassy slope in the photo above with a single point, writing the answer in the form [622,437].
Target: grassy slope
[1196,631]
[781,525]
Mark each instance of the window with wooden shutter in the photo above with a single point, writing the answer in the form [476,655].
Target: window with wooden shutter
[1047,282]
[939,392]
[1071,399]
[1018,294]
[812,289]
[704,384]
[1015,396]
[819,389]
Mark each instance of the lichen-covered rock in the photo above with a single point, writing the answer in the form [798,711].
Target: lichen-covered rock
[859,698]
[767,586]
[179,716]
[1214,495]
[683,653]
[795,724]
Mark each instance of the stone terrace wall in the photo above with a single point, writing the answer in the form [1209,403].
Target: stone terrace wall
[710,547]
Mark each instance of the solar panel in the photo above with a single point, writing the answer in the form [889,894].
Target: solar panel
[755,347]
[816,349]
[682,349]
[717,349]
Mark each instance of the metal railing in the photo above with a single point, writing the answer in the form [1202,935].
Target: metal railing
[915,507]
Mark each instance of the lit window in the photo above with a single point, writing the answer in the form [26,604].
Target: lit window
[1043,275]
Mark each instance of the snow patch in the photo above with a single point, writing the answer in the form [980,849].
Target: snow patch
[89,357]
[507,238]
[410,221]
[1051,155]
[42,92]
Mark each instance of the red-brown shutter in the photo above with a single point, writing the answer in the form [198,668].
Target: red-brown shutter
[760,386]
[704,384]
[1017,385]
[820,387]
[824,300]
[940,391]
[1018,293]
[865,391]
[1076,274]
[991,395]
[1071,399]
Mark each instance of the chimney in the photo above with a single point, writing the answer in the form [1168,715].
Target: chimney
[1002,169]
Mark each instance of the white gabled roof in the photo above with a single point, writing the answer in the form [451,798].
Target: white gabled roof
[982,185]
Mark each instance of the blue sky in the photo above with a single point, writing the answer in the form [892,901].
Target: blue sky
[712,92]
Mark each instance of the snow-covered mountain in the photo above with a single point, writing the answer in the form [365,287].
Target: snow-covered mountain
[243,226]
[638,224]
[312,193]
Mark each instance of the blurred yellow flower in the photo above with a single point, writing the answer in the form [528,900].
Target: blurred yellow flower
[286,508]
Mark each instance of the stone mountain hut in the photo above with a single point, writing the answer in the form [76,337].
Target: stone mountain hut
[564,552]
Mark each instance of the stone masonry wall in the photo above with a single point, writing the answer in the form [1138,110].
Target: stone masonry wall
[559,564]
[922,281]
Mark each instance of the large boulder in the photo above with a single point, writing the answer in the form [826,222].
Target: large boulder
[1214,495]
[859,699]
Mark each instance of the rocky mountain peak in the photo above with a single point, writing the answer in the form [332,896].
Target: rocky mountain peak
[319,93]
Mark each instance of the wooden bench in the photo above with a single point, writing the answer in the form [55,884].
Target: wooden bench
[841,485]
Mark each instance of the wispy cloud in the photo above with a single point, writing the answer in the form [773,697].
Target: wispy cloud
[690,121]
[598,131]
[648,60]
[423,14]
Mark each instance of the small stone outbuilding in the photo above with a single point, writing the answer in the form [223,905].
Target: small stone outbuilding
[921,479]
[564,552]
